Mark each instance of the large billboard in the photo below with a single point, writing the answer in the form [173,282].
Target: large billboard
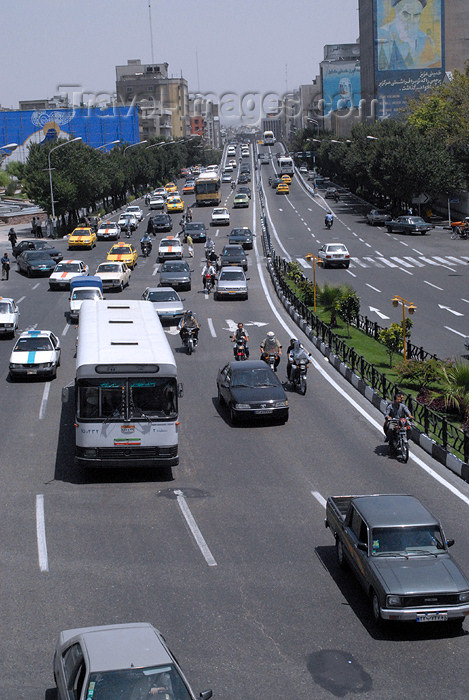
[409,50]
[96,127]
[340,85]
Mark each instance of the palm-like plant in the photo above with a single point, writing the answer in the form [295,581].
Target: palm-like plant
[456,387]
[328,296]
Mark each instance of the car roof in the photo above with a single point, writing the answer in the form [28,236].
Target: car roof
[113,647]
[231,268]
[35,334]
[393,510]
[249,364]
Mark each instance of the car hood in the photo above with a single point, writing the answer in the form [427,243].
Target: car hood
[419,575]
[31,357]
[43,262]
[168,306]
[7,318]
[110,275]
[66,275]
[248,395]
[176,276]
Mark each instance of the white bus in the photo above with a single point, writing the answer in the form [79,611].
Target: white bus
[126,391]
[269,138]
[285,165]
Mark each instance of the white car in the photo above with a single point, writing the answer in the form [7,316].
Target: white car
[136,211]
[124,218]
[334,255]
[228,168]
[220,217]
[36,353]
[157,202]
[108,231]
[9,315]
[160,192]
[170,248]
[114,275]
[65,271]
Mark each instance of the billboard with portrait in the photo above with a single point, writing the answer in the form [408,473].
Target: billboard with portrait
[409,50]
[96,127]
[340,85]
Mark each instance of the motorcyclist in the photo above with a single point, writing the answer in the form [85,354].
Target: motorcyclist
[394,410]
[151,226]
[187,321]
[336,196]
[213,258]
[295,354]
[209,246]
[147,200]
[208,270]
[233,184]
[328,220]
[146,243]
[271,346]
[240,335]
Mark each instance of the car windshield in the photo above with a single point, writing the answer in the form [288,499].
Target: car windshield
[417,220]
[5,308]
[33,255]
[131,210]
[67,267]
[175,267]
[232,252]
[123,398]
[253,378]
[86,294]
[336,248]
[195,227]
[109,224]
[121,250]
[424,539]
[42,245]
[163,295]
[108,267]
[138,684]
[219,211]
[167,242]
[229,275]
[33,344]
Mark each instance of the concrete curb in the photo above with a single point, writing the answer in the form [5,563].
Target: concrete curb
[448,459]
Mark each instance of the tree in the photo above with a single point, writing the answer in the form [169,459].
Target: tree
[393,337]
[456,387]
[329,295]
[348,308]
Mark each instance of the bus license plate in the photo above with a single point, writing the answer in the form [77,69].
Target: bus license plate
[433,617]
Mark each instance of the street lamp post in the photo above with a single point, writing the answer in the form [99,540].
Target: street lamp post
[111,143]
[315,259]
[78,138]
[396,300]
[160,143]
[134,144]
[8,145]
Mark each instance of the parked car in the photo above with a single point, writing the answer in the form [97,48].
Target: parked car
[128,661]
[162,223]
[250,389]
[38,244]
[334,255]
[231,283]
[220,217]
[35,354]
[35,262]
[114,275]
[109,231]
[175,274]
[9,316]
[234,255]
[376,217]
[408,224]
[242,236]
[167,302]
[196,230]
[170,248]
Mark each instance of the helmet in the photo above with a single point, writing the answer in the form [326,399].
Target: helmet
[188,312]
[270,334]
[292,340]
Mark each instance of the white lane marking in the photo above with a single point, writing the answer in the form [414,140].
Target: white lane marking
[155,270]
[211,328]
[217,232]
[351,273]
[458,261]
[419,252]
[414,262]
[433,285]
[377,311]
[266,207]
[309,229]
[358,262]
[303,263]
[406,271]
[466,300]
[373,262]
[386,262]
[444,263]
[361,240]
[319,498]
[401,262]
[65,330]
[41,534]
[45,396]
[194,528]
[378,253]
[378,425]
[374,288]
[280,209]
[429,261]
[20,300]
[463,335]
[406,244]
[368,245]
[36,286]
[452,311]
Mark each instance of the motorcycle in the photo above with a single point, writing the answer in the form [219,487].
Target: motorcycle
[146,248]
[460,232]
[328,223]
[240,350]
[208,283]
[270,359]
[190,340]
[298,376]
[209,249]
[398,440]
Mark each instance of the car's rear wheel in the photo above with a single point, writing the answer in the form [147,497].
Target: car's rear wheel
[339,550]
[389,228]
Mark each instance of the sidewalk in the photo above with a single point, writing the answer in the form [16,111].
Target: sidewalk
[22,231]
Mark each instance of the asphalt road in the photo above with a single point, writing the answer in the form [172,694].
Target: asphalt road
[263,609]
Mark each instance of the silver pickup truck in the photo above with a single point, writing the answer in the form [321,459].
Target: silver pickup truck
[398,551]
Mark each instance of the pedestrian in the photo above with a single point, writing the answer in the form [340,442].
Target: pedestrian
[12,237]
[48,226]
[5,266]
[189,214]
[33,226]
[38,228]
[190,245]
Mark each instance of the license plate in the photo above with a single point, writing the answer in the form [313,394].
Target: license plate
[31,371]
[433,617]
[262,411]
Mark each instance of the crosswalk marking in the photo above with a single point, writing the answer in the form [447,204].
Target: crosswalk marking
[373,262]
[458,261]
[415,263]
[401,262]
[406,262]
[387,262]
[358,262]
[303,263]
[429,261]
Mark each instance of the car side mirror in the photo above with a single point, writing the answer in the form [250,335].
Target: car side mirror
[449,543]
[362,546]
[206,694]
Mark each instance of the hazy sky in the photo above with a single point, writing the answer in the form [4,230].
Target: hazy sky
[242,45]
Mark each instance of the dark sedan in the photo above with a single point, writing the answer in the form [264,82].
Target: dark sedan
[162,222]
[38,244]
[244,189]
[376,217]
[242,236]
[251,389]
[243,178]
[234,255]
[408,224]
[35,262]
[175,274]
[196,230]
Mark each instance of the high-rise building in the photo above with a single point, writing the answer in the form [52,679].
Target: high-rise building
[205,120]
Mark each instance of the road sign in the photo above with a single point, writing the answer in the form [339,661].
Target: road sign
[453,200]
[421,199]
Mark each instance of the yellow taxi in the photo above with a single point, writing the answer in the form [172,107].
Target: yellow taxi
[174,204]
[286,178]
[123,252]
[170,187]
[282,188]
[82,237]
